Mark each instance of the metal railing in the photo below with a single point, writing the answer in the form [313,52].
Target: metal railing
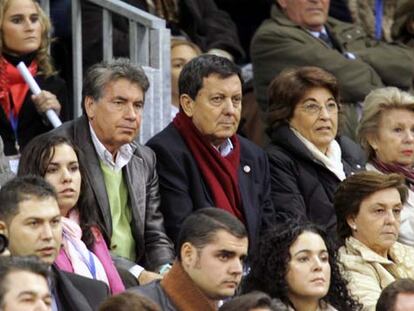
[149,46]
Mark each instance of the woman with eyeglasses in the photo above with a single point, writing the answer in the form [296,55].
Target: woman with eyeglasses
[308,159]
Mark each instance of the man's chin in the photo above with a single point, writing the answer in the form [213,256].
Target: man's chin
[126,139]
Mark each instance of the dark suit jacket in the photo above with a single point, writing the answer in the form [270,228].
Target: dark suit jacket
[77,293]
[153,248]
[183,189]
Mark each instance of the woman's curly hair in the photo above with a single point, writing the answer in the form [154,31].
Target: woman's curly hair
[269,266]
[42,57]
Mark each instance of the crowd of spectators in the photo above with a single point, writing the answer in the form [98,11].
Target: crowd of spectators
[283,182]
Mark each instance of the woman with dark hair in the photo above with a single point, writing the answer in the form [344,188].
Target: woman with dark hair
[25,37]
[84,250]
[297,264]
[307,156]
[368,207]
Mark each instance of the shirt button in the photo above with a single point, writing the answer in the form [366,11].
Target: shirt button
[246,169]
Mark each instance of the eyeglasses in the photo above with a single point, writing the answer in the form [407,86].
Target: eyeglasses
[315,109]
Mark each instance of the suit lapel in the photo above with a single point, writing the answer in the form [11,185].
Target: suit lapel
[136,183]
[93,170]
[246,186]
[69,297]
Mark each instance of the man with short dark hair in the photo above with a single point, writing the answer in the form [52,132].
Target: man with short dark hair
[120,171]
[201,160]
[30,218]
[211,248]
[397,296]
[24,284]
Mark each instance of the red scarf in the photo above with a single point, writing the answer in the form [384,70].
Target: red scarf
[220,173]
[12,85]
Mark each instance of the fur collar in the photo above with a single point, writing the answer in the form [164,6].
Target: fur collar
[182,291]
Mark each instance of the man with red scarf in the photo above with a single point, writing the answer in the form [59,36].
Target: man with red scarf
[201,161]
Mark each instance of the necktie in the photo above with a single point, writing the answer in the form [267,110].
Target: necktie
[378,19]
[325,38]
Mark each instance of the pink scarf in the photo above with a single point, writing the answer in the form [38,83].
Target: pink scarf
[71,260]
[84,262]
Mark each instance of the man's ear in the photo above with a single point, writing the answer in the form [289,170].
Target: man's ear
[187,104]
[89,107]
[3,228]
[282,3]
[188,255]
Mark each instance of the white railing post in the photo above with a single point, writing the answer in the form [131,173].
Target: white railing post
[149,46]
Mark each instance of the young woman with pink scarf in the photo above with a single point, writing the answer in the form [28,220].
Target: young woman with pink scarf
[84,250]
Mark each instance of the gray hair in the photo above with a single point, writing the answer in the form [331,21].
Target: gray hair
[375,104]
[101,74]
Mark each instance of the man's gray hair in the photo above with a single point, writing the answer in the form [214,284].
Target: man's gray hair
[100,74]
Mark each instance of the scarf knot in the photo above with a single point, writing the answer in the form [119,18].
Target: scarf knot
[219,173]
[389,168]
[13,88]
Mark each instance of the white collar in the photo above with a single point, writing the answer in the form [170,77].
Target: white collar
[332,159]
[225,148]
[123,155]
[317,33]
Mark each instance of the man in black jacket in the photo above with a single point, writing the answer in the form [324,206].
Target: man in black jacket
[24,284]
[201,160]
[211,249]
[30,218]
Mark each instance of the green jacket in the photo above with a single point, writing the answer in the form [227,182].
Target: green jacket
[279,44]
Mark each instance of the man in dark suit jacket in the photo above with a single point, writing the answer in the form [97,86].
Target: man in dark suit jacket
[30,218]
[200,159]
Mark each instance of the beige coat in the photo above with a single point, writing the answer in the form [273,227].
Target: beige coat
[369,273]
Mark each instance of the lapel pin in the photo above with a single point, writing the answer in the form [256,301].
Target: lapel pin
[246,169]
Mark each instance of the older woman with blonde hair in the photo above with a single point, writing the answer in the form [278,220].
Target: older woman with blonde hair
[308,157]
[368,207]
[25,37]
[386,132]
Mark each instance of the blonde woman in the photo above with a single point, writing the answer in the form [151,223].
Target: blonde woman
[25,36]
